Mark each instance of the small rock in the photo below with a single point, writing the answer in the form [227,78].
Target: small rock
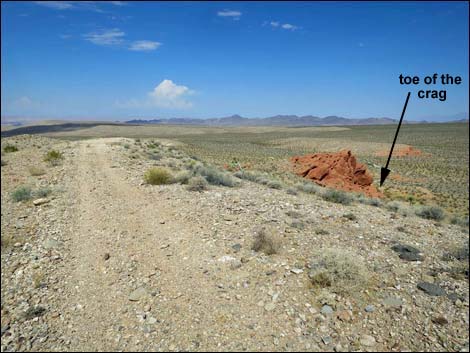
[369,308]
[106,256]
[235,264]
[51,244]
[33,312]
[297,270]
[440,320]
[152,320]
[431,289]
[40,201]
[367,341]
[326,340]
[326,310]
[407,252]
[344,315]
[393,302]
[138,294]
[236,247]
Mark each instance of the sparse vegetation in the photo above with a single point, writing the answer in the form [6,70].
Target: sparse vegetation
[291,191]
[309,188]
[22,193]
[274,184]
[341,271]
[157,176]
[321,231]
[183,177]
[265,241]
[350,216]
[43,192]
[197,183]
[213,176]
[336,196]
[369,201]
[431,212]
[10,149]
[54,157]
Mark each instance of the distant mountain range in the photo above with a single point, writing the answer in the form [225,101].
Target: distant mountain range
[278,120]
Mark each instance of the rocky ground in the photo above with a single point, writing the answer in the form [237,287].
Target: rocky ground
[107,262]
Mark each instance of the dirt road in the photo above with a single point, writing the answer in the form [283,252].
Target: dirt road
[149,251]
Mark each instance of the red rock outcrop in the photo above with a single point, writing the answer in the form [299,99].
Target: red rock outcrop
[338,170]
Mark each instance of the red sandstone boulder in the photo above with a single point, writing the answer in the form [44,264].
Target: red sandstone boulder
[338,170]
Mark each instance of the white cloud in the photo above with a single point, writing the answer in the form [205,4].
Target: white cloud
[106,37]
[57,5]
[169,95]
[116,37]
[230,13]
[166,94]
[144,45]
[83,5]
[289,26]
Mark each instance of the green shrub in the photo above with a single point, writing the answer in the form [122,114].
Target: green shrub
[431,212]
[10,148]
[459,221]
[291,191]
[394,206]
[183,177]
[369,201]
[54,157]
[22,193]
[42,192]
[213,176]
[197,183]
[336,196]
[274,184]
[157,176]
[309,188]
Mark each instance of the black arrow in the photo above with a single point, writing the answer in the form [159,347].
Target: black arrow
[384,172]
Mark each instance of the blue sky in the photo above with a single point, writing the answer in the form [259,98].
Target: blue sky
[116,60]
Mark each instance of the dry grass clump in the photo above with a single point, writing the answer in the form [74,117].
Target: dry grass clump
[339,270]
[266,241]
[197,183]
[157,176]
